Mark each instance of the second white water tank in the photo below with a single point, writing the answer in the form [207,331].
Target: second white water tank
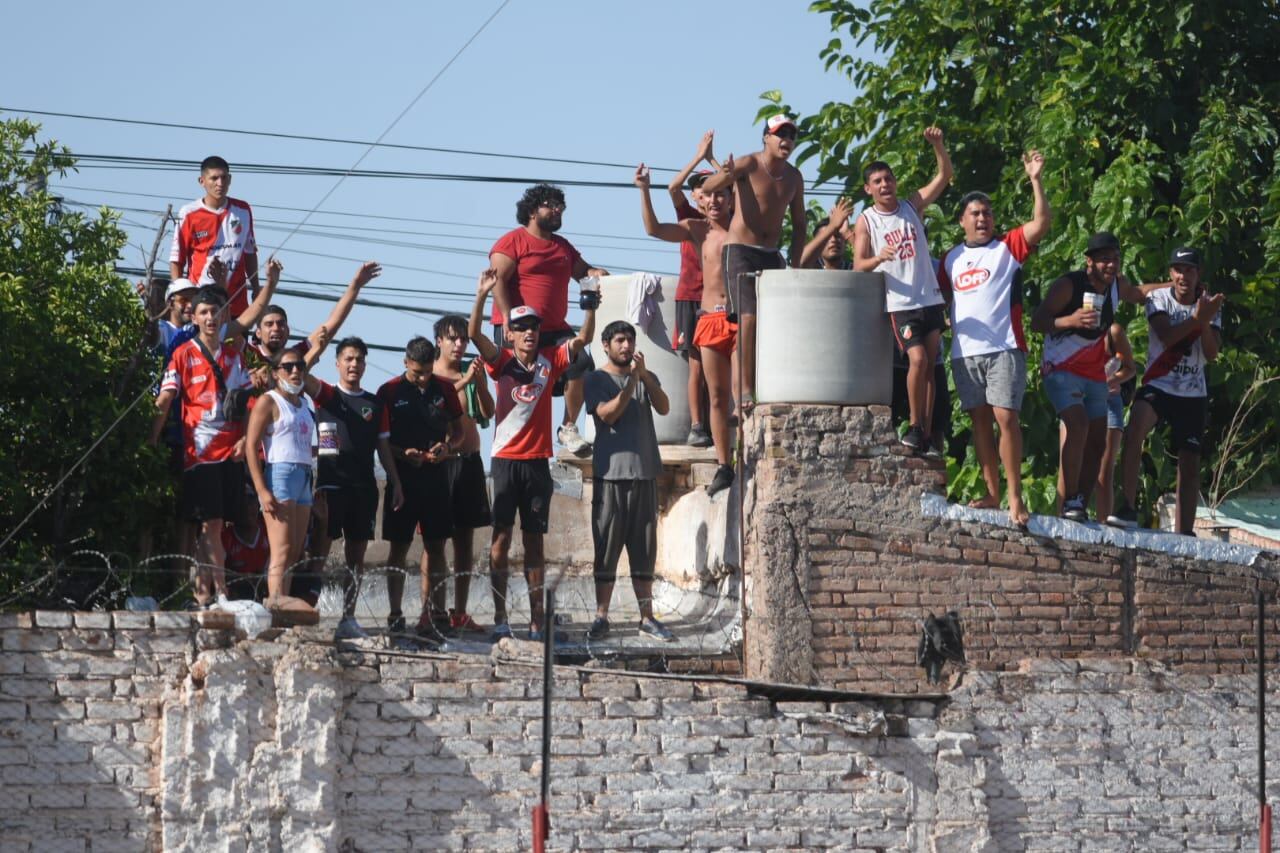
[659,356]
[823,337]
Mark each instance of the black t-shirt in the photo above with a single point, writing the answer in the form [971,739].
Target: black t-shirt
[361,420]
[419,419]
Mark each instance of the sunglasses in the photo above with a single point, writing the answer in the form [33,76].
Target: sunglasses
[290,366]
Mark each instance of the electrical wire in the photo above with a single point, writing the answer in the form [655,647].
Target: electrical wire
[328,139]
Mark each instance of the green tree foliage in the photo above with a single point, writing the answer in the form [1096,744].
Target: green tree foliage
[1158,121]
[69,331]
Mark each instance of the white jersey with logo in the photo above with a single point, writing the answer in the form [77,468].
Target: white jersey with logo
[909,280]
[985,283]
[1177,370]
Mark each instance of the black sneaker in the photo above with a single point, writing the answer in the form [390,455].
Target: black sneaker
[934,448]
[721,481]
[1125,516]
[914,439]
[395,624]
[698,436]
[599,629]
[430,630]
[1073,509]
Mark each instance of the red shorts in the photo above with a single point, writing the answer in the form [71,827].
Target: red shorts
[714,331]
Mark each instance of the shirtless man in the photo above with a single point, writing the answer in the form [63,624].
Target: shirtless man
[765,187]
[890,237]
[716,333]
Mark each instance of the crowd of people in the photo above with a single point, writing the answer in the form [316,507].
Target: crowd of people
[272,465]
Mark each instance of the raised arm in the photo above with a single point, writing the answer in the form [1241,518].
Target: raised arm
[672,232]
[475,376]
[799,223]
[487,283]
[368,271]
[837,218]
[1041,214]
[729,172]
[585,334]
[240,325]
[676,188]
[931,191]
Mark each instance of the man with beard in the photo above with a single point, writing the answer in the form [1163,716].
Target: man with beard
[765,186]
[534,265]
[272,338]
[716,332]
[622,398]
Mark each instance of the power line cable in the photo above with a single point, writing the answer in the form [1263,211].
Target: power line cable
[329,139]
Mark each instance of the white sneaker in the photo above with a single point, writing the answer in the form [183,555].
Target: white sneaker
[571,440]
[349,629]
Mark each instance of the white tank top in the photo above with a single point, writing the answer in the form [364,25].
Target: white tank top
[288,437]
[909,279]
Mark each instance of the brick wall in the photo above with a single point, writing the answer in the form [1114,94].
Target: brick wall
[169,738]
[842,566]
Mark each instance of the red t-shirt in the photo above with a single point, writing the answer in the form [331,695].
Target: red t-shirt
[246,558]
[227,233]
[690,287]
[522,423]
[206,436]
[541,280]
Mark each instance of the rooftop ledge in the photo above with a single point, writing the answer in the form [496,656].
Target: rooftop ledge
[1093,533]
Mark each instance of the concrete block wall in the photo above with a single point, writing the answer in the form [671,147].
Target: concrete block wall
[842,567]
[187,742]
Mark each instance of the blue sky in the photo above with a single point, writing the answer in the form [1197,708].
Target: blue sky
[596,81]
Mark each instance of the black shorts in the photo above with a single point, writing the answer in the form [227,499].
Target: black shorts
[624,516]
[1186,416]
[426,505]
[352,510]
[738,260]
[912,327]
[468,491]
[579,367]
[212,490]
[686,322]
[524,485]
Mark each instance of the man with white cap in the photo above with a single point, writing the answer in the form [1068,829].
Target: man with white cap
[523,377]
[765,186]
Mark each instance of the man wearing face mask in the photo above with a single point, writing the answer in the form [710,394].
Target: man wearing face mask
[622,398]
[534,265]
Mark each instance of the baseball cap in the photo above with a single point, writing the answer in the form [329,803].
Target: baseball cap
[779,121]
[178,285]
[1102,241]
[1184,256]
[524,315]
[699,178]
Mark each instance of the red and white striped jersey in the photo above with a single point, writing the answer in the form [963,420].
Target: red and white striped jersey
[204,233]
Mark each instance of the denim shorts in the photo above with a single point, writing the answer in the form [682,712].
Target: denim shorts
[290,481]
[1115,411]
[1067,389]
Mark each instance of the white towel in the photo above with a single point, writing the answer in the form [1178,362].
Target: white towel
[642,303]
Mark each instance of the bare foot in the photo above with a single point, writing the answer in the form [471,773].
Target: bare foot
[986,502]
[1018,513]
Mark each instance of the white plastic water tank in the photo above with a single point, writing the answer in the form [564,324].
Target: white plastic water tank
[659,356]
[823,337]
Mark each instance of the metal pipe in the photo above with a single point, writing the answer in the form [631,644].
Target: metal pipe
[1264,810]
[542,813]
